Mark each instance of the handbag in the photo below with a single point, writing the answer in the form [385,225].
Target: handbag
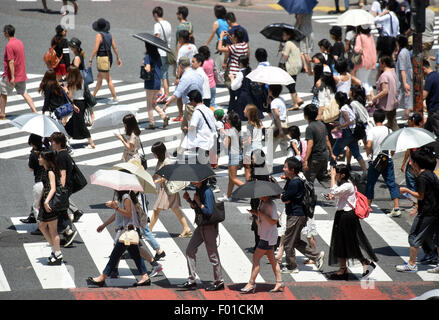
[381,162]
[104,61]
[60,200]
[357,58]
[218,215]
[87,117]
[78,179]
[360,130]
[87,76]
[330,113]
[172,187]
[143,157]
[129,237]
[65,109]
[89,99]
[147,76]
[170,55]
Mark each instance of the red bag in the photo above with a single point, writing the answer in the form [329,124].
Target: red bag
[51,59]
[362,209]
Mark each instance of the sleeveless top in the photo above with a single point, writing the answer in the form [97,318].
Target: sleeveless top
[222,26]
[78,94]
[344,86]
[109,40]
[81,64]
[121,220]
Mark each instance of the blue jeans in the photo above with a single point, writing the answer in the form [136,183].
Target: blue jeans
[118,251]
[150,238]
[212,96]
[410,178]
[347,140]
[388,176]
[346,4]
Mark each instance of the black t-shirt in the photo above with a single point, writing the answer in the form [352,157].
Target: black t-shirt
[65,162]
[338,49]
[428,184]
[35,166]
[316,131]
[52,100]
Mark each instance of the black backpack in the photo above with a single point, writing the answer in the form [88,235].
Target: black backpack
[309,199]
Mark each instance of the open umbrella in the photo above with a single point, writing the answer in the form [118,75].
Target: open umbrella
[142,175]
[257,189]
[112,116]
[39,124]
[116,180]
[407,138]
[271,75]
[152,39]
[355,17]
[186,172]
[298,6]
[274,32]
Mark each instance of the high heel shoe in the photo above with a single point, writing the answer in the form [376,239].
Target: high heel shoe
[141,284]
[280,289]
[249,290]
[370,268]
[90,281]
[342,276]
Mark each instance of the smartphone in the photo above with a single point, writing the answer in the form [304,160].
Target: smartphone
[325,196]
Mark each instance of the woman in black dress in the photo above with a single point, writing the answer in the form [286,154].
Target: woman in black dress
[52,92]
[348,240]
[61,46]
[76,127]
[48,218]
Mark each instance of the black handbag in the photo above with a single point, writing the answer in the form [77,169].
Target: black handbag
[89,99]
[60,200]
[143,158]
[381,162]
[78,179]
[218,215]
[360,130]
[147,76]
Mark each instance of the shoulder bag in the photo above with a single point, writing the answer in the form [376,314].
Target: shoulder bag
[65,109]
[170,55]
[218,215]
[173,187]
[330,113]
[143,157]
[89,99]
[60,200]
[104,61]
[78,179]
[129,237]
[87,76]
[357,58]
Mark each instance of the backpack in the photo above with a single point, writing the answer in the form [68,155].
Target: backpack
[256,89]
[309,199]
[51,59]
[303,147]
[362,209]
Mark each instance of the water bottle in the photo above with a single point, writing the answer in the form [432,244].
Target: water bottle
[410,197]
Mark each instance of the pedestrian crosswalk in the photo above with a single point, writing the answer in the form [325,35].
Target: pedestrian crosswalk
[387,236]
[235,235]
[332,21]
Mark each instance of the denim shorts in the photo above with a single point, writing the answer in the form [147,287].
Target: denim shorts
[235,159]
[263,245]
[165,67]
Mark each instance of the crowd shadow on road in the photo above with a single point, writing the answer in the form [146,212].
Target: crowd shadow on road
[40,11]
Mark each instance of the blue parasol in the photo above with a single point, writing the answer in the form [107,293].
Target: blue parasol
[298,6]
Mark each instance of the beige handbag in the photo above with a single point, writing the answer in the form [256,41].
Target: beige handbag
[103,63]
[172,187]
[129,237]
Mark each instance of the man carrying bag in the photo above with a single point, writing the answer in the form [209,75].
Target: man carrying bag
[208,215]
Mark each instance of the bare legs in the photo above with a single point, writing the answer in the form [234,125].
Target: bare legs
[151,106]
[50,233]
[4,100]
[233,179]
[107,77]
[180,217]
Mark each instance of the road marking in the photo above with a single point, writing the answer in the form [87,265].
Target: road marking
[233,260]
[4,285]
[50,277]
[23,227]
[99,246]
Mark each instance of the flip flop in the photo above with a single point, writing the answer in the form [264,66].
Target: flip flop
[185,235]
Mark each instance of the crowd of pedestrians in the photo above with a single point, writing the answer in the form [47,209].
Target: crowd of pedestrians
[346,114]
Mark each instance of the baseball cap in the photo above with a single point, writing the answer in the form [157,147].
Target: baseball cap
[219,113]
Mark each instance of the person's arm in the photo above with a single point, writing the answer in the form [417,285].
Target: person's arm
[275,112]
[51,192]
[127,143]
[76,61]
[236,81]
[346,124]
[404,161]
[113,44]
[70,95]
[62,178]
[368,148]
[384,92]
[265,215]
[212,34]
[219,46]
[125,211]
[404,82]
[424,94]
[207,206]
[11,64]
[95,49]
[310,144]
[328,145]
[106,223]
[417,195]
[355,80]
[296,150]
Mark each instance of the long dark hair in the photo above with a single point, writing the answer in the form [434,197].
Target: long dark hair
[159,149]
[342,99]
[235,121]
[131,125]
[328,80]
[36,141]
[132,195]
[74,78]
[49,83]
[358,94]
[152,51]
[50,158]
[343,169]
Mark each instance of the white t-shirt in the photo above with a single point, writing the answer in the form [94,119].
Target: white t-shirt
[351,115]
[206,87]
[266,230]
[280,105]
[158,30]
[199,134]
[187,50]
[376,7]
[377,135]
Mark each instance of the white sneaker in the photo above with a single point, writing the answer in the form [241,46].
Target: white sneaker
[396,212]
[224,198]
[113,101]
[320,260]
[216,189]
[156,270]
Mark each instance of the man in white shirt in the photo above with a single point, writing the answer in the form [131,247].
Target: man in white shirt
[279,116]
[197,65]
[388,21]
[163,30]
[375,137]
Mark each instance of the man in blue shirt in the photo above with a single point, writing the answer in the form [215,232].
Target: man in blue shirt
[431,96]
[233,25]
[296,219]
[203,204]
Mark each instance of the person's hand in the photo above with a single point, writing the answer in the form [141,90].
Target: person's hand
[197,199]
[12,82]
[374,100]
[407,88]
[333,172]
[47,207]
[335,130]
[119,62]
[111,204]
[90,62]
[413,213]
[76,109]
[224,66]
[253,212]
[305,166]
[100,228]
[334,158]
[147,68]
[403,168]
[186,196]
[403,190]
[176,81]
[232,77]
